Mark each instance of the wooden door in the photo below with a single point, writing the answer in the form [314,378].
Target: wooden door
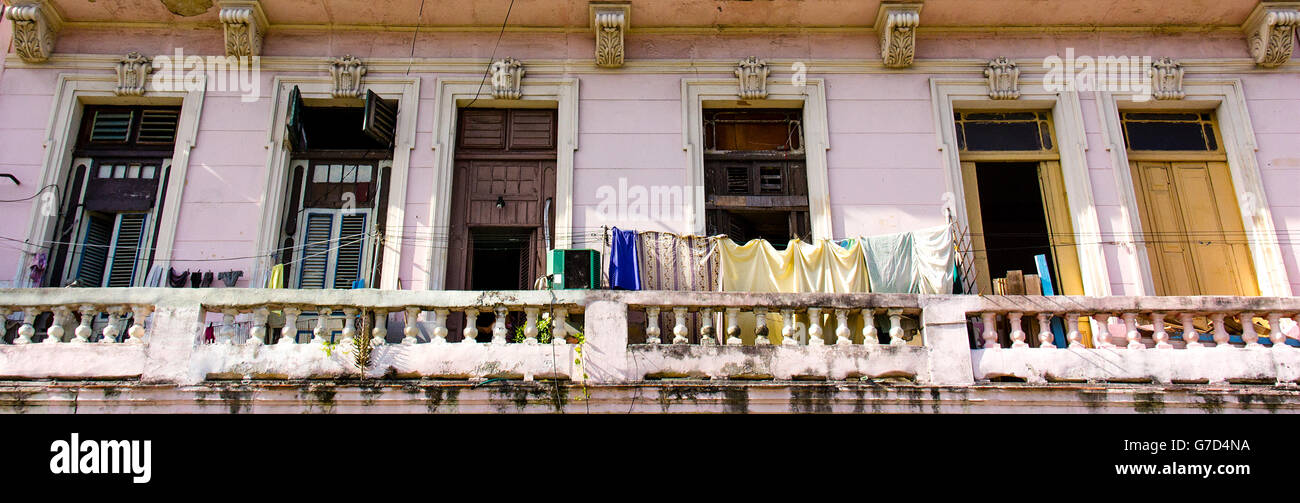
[1192,229]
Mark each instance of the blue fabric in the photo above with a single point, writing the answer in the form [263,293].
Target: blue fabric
[624,265]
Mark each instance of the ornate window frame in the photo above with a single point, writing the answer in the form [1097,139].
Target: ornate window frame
[404,89]
[1226,98]
[1067,118]
[811,95]
[539,92]
[72,92]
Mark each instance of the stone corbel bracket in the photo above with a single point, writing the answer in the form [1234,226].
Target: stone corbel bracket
[507,75]
[132,74]
[896,24]
[1167,79]
[609,20]
[1004,79]
[36,25]
[346,73]
[244,23]
[1270,32]
[752,74]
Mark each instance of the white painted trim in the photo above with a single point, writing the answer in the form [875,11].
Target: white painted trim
[816,142]
[1071,140]
[74,90]
[1226,98]
[453,93]
[404,89]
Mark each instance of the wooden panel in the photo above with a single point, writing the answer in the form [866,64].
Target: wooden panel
[494,133]
[1060,229]
[482,129]
[532,129]
[975,219]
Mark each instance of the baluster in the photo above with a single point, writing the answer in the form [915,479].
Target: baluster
[1158,326]
[760,327]
[1248,334]
[652,326]
[560,326]
[349,325]
[707,335]
[499,326]
[1101,331]
[733,326]
[1072,330]
[4,317]
[815,327]
[869,334]
[438,335]
[1275,332]
[227,333]
[27,331]
[411,332]
[257,333]
[470,332]
[1045,336]
[679,328]
[530,325]
[990,334]
[1017,330]
[379,333]
[787,328]
[54,334]
[896,328]
[110,332]
[289,333]
[843,335]
[1221,337]
[319,333]
[83,330]
[1131,331]
[1190,335]
[138,314]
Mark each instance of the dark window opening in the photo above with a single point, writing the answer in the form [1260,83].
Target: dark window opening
[1014,220]
[756,181]
[1169,131]
[337,128]
[989,131]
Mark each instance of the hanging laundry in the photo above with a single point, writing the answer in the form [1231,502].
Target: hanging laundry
[207,280]
[920,261]
[276,278]
[230,277]
[177,280]
[823,267]
[154,278]
[673,262]
[37,273]
[196,278]
[624,268]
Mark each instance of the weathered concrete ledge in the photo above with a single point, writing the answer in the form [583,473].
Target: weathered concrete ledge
[1205,365]
[658,361]
[423,396]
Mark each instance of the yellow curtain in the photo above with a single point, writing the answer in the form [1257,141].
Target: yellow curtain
[277,277]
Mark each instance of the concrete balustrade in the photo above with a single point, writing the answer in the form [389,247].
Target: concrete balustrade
[156,336]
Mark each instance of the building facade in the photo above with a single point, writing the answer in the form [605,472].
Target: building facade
[1145,150]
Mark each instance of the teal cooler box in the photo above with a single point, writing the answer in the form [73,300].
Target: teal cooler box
[573,269]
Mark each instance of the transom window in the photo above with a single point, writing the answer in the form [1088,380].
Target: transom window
[1163,131]
[1003,131]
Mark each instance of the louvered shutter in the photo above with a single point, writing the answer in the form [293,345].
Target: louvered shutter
[351,250]
[126,248]
[94,251]
[380,121]
[158,127]
[111,126]
[316,250]
[294,132]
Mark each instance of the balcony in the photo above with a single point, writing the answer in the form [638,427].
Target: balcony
[694,348]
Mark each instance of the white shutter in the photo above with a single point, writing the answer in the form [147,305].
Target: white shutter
[351,249]
[316,239]
[127,242]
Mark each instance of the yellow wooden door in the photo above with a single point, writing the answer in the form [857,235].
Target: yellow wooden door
[1192,229]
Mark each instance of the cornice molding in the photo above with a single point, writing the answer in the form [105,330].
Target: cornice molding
[896,25]
[36,26]
[244,23]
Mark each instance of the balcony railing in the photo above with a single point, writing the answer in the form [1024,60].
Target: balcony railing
[158,336]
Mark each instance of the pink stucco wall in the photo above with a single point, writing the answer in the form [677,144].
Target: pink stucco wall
[886,173]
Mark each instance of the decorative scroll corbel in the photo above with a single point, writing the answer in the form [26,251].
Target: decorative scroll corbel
[752,74]
[896,24]
[1167,79]
[1270,31]
[507,75]
[1004,79]
[244,24]
[346,73]
[36,25]
[132,74]
[609,21]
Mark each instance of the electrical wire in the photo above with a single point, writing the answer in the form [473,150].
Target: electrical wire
[33,196]
[492,58]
